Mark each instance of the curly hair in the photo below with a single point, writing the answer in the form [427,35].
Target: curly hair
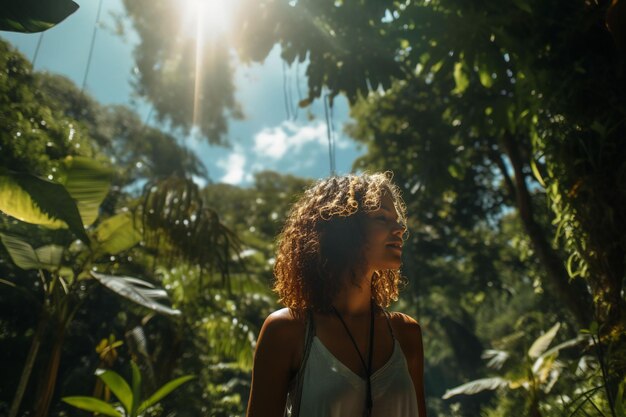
[323,241]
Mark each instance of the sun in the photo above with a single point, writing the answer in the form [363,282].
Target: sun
[208,18]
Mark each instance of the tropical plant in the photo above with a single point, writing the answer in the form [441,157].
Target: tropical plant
[34,16]
[537,373]
[131,402]
[64,268]
[127,235]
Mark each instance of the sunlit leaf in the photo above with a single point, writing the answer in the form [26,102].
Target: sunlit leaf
[163,391]
[476,386]
[116,234]
[33,15]
[16,202]
[577,341]
[138,291]
[485,77]
[26,197]
[118,386]
[540,345]
[460,78]
[536,172]
[94,405]
[88,182]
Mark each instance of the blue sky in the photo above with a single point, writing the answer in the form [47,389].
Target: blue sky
[265,139]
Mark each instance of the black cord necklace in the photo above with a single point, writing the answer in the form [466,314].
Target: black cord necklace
[367,368]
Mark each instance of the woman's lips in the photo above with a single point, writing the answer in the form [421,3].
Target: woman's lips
[397,246]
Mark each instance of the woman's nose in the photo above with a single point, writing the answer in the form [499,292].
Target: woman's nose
[398,228]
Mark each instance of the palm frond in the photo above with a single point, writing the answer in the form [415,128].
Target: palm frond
[175,220]
[540,345]
[474,387]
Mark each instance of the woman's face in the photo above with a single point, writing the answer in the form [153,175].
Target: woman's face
[383,236]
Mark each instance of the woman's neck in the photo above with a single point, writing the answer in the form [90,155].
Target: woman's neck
[354,299]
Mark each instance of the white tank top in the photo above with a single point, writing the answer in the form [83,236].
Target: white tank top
[331,389]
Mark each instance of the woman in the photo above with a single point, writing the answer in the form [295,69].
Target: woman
[333,351]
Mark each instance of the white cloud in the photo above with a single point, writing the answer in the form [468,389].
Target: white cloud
[234,166]
[276,142]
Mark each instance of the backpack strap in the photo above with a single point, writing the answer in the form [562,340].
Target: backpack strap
[294,410]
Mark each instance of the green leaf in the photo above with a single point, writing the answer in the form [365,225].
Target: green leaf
[485,77]
[33,15]
[38,201]
[16,202]
[92,404]
[164,391]
[536,172]
[460,78]
[476,386]
[24,256]
[21,253]
[50,256]
[116,234]
[88,182]
[437,66]
[137,291]
[136,388]
[118,386]
[540,345]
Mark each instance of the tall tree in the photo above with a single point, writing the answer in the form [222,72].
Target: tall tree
[535,95]
[187,76]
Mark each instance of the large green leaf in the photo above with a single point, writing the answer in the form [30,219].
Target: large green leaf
[117,385]
[116,234]
[540,345]
[34,15]
[476,386]
[163,391]
[137,291]
[16,202]
[24,256]
[92,404]
[88,182]
[34,200]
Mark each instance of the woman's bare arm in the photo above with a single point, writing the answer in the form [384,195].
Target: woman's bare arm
[274,359]
[409,334]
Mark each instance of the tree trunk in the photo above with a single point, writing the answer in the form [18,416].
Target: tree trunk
[46,390]
[28,366]
[574,292]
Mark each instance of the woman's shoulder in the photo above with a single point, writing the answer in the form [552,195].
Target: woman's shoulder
[284,323]
[286,317]
[407,330]
[281,338]
[403,320]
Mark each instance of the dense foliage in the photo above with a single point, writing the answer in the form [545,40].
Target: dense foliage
[503,124]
